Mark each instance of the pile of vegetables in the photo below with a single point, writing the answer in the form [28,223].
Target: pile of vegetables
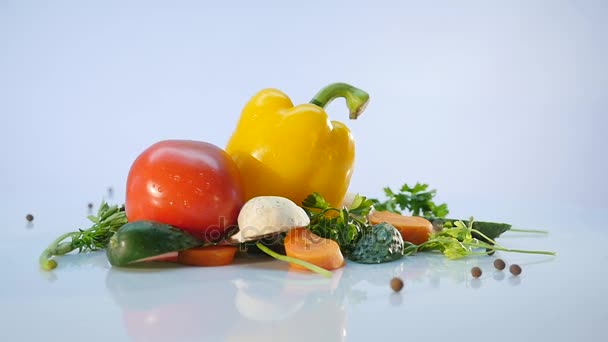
[197,204]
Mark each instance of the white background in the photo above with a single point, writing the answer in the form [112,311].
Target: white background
[484,100]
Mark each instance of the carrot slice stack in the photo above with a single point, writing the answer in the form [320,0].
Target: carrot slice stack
[301,243]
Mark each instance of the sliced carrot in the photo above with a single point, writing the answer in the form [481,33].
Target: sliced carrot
[207,256]
[414,229]
[301,243]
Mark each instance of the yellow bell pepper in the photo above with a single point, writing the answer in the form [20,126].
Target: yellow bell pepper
[288,151]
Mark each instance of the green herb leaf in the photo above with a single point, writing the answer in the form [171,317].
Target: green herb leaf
[343,225]
[315,201]
[361,206]
[491,229]
[417,200]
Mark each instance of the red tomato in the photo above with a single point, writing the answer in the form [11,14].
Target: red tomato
[192,185]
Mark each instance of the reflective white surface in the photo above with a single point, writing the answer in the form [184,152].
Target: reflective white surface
[257,299]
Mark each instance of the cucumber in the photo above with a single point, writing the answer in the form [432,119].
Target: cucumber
[273,242]
[140,240]
[489,229]
[382,243]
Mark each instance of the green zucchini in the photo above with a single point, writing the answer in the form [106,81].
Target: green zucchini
[489,229]
[382,243]
[142,240]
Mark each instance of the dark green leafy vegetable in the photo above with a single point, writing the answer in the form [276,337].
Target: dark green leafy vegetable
[417,200]
[108,220]
[381,243]
[344,225]
[141,240]
[491,230]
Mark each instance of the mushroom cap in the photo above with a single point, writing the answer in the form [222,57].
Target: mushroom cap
[265,215]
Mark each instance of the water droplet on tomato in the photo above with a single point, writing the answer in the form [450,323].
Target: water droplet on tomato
[177,178]
[187,204]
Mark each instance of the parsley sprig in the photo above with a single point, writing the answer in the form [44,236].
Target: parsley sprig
[346,226]
[457,242]
[417,200]
[343,225]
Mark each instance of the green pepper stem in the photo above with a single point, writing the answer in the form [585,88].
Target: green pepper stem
[356,99]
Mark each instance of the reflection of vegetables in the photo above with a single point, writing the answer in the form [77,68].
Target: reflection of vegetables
[289,151]
[268,303]
[382,243]
[207,256]
[417,200]
[107,221]
[265,215]
[191,185]
[414,229]
[155,307]
[303,244]
[145,240]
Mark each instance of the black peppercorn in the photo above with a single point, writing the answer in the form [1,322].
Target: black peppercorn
[499,264]
[515,270]
[396,284]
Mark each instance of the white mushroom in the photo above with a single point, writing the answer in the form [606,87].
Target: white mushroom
[265,215]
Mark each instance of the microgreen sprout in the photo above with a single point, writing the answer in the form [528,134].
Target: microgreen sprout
[105,224]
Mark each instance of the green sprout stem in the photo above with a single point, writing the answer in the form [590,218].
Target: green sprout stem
[45,260]
[533,231]
[503,249]
[494,246]
[105,224]
[302,263]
